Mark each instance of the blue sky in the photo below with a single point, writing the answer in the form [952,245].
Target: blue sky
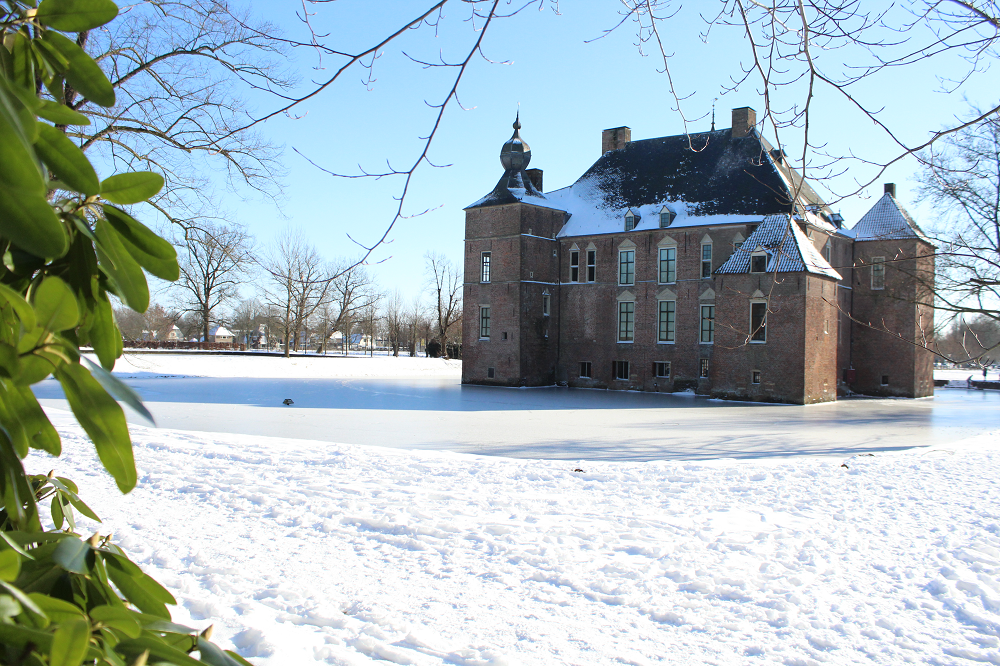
[567,91]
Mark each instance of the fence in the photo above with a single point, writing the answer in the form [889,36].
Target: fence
[182,344]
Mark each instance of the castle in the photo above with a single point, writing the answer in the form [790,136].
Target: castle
[698,262]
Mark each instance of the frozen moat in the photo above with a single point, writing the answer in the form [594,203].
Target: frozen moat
[554,423]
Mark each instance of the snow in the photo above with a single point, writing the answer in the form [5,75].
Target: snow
[309,553]
[316,552]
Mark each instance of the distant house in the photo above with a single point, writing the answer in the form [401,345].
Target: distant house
[220,334]
[174,334]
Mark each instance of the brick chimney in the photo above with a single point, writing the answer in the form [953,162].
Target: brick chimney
[890,189]
[615,138]
[535,176]
[744,120]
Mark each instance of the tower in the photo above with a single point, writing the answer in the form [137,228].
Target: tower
[510,325]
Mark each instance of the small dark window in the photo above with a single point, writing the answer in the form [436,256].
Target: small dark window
[503,336]
[591,265]
[661,369]
[706,260]
[621,370]
[885,380]
[758,263]
[703,371]
[484,323]
[629,222]
[546,304]
[491,373]
[574,266]
[485,276]
[758,322]
[585,369]
[755,377]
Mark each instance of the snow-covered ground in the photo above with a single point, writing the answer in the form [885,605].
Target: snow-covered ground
[303,551]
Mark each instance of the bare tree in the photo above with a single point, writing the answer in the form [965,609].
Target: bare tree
[445,283]
[130,323]
[179,71]
[394,320]
[299,284]
[245,320]
[212,262]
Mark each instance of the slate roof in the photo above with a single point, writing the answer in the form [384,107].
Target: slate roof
[787,248]
[887,220]
[513,187]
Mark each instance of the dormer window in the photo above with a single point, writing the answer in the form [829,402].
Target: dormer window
[631,219]
[666,217]
[758,262]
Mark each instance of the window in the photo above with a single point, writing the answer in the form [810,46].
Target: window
[706,260]
[703,370]
[878,272]
[666,217]
[885,380]
[503,336]
[574,266]
[626,267]
[665,327]
[485,275]
[629,222]
[591,265]
[491,373]
[546,304]
[755,377]
[621,370]
[737,245]
[661,369]
[668,265]
[708,323]
[758,322]
[484,322]
[626,321]
[758,263]
[828,252]
[585,370]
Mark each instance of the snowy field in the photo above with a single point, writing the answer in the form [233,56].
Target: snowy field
[700,535]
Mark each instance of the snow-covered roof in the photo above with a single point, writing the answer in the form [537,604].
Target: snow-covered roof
[220,331]
[887,220]
[787,249]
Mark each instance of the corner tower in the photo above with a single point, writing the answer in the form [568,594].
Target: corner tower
[510,323]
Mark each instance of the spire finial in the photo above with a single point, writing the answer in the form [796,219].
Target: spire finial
[517,120]
[713,113]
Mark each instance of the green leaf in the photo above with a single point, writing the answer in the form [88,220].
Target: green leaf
[10,565]
[118,618]
[139,590]
[240,661]
[211,654]
[21,307]
[8,607]
[103,333]
[76,15]
[139,234]
[83,73]
[121,268]
[165,269]
[58,517]
[103,420]
[60,114]
[55,305]
[158,651]
[24,65]
[65,159]
[131,188]
[69,645]
[72,555]
[56,610]
[118,389]
[23,406]
[19,636]
[18,498]
[15,546]
[70,494]
[26,217]
[10,364]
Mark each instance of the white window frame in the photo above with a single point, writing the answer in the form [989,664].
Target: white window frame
[628,371]
[626,321]
[878,273]
[758,255]
[485,266]
[668,336]
[755,375]
[626,267]
[656,370]
[704,368]
[705,261]
[589,370]
[574,265]
[591,265]
[546,305]
[484,322]
[758,337]
[629,221]
[668,256]
[828,251]
[710,307]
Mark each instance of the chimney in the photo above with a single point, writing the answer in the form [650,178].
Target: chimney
[615,138]
[890,189]
[744,120]
[535,176]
